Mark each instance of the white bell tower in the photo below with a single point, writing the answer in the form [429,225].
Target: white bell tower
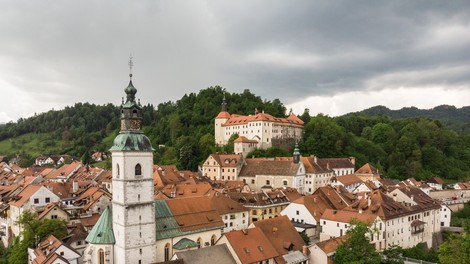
[133,209]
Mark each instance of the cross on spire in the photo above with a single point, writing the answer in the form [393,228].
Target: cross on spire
[131,64]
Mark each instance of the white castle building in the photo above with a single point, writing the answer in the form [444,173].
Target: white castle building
[255,131]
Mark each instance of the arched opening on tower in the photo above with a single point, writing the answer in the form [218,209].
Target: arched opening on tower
[138,170]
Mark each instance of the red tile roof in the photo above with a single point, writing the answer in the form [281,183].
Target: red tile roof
[251,245]
[282,234]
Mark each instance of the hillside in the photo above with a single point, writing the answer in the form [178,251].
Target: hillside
[409,144]
[457,119]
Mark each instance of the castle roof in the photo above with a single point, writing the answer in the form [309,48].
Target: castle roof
[241,119]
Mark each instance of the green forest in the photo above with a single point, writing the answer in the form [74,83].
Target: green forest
[182,132]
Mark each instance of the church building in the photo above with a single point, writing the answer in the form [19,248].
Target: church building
[126,231]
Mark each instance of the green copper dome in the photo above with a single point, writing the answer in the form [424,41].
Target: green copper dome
[132,141]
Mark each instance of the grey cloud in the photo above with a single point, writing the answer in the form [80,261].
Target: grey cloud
[66,52]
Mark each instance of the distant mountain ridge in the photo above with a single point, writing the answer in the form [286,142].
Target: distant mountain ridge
[449,115]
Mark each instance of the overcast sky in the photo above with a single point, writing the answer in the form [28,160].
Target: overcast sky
[332,57]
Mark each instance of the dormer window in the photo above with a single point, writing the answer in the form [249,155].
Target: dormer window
[138,170]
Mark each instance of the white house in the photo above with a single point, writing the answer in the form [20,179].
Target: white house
[31,198]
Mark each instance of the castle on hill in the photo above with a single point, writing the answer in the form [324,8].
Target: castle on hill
[260,130]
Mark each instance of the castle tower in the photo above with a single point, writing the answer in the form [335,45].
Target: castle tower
[133,209]
[221,118]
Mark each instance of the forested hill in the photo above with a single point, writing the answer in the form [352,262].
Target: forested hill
[455,118]
[183,133]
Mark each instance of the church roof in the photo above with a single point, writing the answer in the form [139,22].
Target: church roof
[132,141]
[102,232]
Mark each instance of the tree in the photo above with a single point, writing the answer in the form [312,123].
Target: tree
[392,255]
[357,247]
[34,231]
[456,249]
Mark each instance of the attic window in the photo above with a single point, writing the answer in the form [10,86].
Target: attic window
[260,248]
[246,250]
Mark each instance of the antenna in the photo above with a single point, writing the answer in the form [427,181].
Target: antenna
[131,64]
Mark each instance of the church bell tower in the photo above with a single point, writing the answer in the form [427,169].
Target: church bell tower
[133,209]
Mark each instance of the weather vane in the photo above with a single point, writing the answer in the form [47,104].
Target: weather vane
[131,64]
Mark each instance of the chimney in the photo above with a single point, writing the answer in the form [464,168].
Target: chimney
[369,201]
[245,231]
[305,250]
[74,186]
[353,160]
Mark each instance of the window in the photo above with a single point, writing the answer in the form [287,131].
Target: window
[36,200]
[117,171]
[268,182]
[101,256]
[138,170]
[167,252]
[284,182]
[48,199]
[53,216]
[213,240]
[199,242]
[297,212]
[253,181]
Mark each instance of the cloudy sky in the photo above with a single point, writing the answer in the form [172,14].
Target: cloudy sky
[332,57]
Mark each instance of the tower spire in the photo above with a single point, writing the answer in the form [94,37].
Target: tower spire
[131,64]
[224,104]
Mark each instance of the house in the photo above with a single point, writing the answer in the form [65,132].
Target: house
[262,173]
[52,250]
[336,223]
[31,198]
[219,254]
[76,239]
[409,216]
[63,173]
[324,252]
[262,205]
[316,176]
[305,212]
[234,215]
[54,211]
[243,145]
[435,183]
[340,166]
[249,246]
[445,213]
[285,239]
[350,181]
[222,166]
[94,200]
[368,173]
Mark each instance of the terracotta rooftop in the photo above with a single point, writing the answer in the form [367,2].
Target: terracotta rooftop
[242,139]
[329,246]
[251,245]
[225,205]
[349,179]
[241,119]
[194,213]
[227,160]
[25,194]
[281,233]
[253,167]
[335,163]
[345,216]
[367,169]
